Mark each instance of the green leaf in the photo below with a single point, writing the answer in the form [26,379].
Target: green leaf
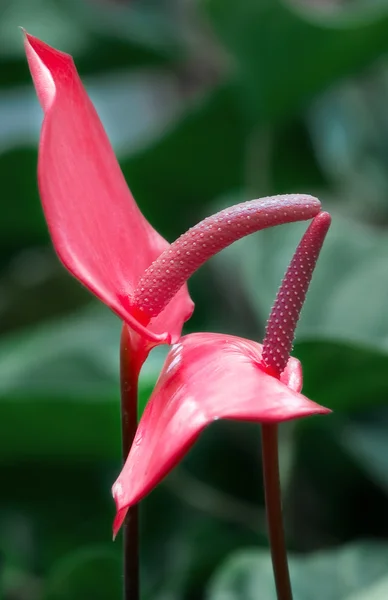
[60,384]
[16,583]
[67,505]
[100,38]
[146,26]
[376,591]
[349,132]
[57,25]
[199,158]
[343,377]
[367,444]
[328,575]
[36,273]
[88,573]
[285,55]
[293,165]
[22,222]
[280,158]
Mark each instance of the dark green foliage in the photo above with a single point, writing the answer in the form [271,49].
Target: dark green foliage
[262,97]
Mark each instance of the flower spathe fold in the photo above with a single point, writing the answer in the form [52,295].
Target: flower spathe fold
[97,229]
[206,376]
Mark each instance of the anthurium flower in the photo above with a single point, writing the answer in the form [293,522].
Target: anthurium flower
[209,376]
[98,230]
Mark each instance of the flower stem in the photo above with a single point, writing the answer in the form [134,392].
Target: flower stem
[129,376]
[269,440]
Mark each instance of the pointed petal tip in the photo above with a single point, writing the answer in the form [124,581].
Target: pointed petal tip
[40,46]
[26,35]
[118,521]
[302,407]
[121,511]
[40,69]
[314,409]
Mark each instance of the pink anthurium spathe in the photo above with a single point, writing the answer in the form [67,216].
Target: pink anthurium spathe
[210,376]
[97,229]
[207,376]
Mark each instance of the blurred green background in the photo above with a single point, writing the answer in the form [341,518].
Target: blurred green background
[207,103]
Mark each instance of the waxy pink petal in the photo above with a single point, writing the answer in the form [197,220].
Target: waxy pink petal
[97,229]
[207,376]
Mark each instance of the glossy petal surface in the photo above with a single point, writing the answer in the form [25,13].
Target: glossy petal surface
[97,229]
[206,376]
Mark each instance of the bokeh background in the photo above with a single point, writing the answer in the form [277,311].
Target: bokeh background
[207,103]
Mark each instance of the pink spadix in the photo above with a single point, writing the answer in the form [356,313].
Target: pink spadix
[285,312]
[163,279]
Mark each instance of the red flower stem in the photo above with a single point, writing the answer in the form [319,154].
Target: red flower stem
[269,441]
[129,376]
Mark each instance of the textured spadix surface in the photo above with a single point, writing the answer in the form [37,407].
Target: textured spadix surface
[288,304]
[175,265]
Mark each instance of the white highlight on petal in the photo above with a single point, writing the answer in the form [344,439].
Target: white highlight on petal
[174,363]
[43,80]
[175,357]
[117,490]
